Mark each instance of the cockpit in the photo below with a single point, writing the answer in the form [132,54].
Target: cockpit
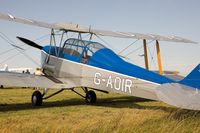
[75,50]
[80,50]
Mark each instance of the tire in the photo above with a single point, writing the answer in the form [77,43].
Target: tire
[90,97]
[36,98]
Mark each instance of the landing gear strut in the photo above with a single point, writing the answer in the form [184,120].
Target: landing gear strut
[37,96]
[90,96]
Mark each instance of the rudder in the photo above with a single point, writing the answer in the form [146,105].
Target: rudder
[193,79]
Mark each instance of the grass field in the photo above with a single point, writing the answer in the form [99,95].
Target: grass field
[67,112]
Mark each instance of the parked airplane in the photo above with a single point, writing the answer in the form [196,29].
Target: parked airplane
[78,63]
[21,70]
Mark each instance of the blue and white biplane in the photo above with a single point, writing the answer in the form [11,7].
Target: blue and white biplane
[77,63]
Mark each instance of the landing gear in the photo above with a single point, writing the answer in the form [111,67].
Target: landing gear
[36,98]
[90,97]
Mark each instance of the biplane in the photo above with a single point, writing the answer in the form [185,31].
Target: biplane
[75,63]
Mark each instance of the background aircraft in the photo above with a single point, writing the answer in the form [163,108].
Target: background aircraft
[75,62]
[20,70]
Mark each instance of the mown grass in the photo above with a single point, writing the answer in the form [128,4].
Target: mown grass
[67,112]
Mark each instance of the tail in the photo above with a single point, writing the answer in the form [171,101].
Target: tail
[5,67]
[193,79]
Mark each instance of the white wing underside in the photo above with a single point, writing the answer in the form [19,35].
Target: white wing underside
[12,79]
[82,29]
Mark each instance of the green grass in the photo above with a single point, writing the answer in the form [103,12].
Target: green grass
[67,112]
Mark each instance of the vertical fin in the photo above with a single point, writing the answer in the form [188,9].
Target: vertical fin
[193,79]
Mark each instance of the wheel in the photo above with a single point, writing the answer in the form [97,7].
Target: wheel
[90,97]
[36,98]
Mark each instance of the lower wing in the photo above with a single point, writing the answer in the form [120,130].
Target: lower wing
[12,79]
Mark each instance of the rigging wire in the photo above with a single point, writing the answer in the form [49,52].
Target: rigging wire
[9,41]
[10,57]
[5,38]
[128,46]
[20,50]
[105,42]
[140,47]
[152,57]
[42,37]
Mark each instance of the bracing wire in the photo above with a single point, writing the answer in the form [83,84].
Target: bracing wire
[20,50]
[140,47]
[42,37]
[11,42]
[5,38]
[152,55]
[10,57]
[128,46]
[105,42]
[152,58]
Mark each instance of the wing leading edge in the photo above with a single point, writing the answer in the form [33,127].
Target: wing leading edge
[82,29]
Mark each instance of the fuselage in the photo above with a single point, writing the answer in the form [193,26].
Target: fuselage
[100,69]
[103,58]
[95,66]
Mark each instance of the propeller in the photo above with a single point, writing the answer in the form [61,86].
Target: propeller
[30,43]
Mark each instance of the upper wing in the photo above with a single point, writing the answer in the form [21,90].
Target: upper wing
[11,79]
[82,29]
[27,21]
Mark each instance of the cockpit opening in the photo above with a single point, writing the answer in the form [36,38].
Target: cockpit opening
[80,50]
[75,50]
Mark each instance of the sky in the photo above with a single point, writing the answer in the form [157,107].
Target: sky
[163,17]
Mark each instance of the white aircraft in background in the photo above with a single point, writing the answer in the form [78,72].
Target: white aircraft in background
[20,70]
[88,65]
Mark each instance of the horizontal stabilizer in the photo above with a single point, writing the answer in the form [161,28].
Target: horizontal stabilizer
[179,95]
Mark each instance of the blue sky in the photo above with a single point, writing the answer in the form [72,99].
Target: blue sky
[164,17]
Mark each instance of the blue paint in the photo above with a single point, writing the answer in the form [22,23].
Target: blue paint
[193,79]
[107,59]
[51,50]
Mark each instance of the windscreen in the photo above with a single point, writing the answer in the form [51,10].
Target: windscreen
[95,46]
